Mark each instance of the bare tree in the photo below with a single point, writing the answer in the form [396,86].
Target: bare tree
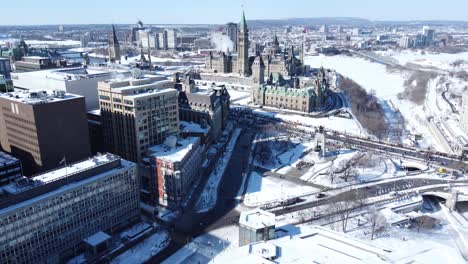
[376,220]
[344,208]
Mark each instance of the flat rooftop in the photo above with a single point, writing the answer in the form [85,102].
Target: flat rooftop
[176,153]
[313,245]
[61,173]
[257,219]
[149,84]
[33,97]
[188,127]
[72,74]
[6,159]
[25,191]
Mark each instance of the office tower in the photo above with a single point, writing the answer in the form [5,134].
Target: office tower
[42,127]
[137,113]
[324,29]
[84,40]
[231,32]
[46,219]
[5,67]
[428,33]
[171,36]
[406,42]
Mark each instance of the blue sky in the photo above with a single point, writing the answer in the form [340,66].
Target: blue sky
[27,12]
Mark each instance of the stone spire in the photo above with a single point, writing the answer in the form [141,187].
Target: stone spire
[243,23]
[243,48]
[114,47]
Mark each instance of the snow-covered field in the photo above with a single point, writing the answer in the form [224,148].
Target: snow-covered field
[334,123]
[240,97]
[263,190]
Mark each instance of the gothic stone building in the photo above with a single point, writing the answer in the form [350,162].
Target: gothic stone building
[307,99]
[261,66]
[204,104]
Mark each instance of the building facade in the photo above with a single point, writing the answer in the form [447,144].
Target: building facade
[203,103]
[45,219]
[306,99]
[42,127]
[256,225]
[34,63]
[137,113]
[275,60]
[173,168]
[5,67]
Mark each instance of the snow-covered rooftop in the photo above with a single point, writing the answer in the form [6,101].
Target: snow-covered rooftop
[38,96]
[193,127]
[315,245]
[174,154]
[257,219]
[74,168]
[16,188]
[6,159]
[97,239]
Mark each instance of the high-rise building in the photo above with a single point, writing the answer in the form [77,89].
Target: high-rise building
[5,67]
[47,219]
[428,33]
[171,36]
[41,128]
[243,47]
[324,29]
[406,42]
[135,30]
[231,32]
[137,113]
[114,47]
[84,39]
[356,32]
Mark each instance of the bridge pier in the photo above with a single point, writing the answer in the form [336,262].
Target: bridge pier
[452,200]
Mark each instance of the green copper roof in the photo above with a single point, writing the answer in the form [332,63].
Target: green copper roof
[243,23]
[292,92]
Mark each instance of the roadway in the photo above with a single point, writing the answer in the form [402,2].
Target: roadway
[454,162]
[192,224]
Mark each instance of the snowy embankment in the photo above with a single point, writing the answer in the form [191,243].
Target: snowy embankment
[340,124]
[143,251]
[207,199]
[388,85]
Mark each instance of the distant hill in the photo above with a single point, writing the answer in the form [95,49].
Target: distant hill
[308,21]
[350,21]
